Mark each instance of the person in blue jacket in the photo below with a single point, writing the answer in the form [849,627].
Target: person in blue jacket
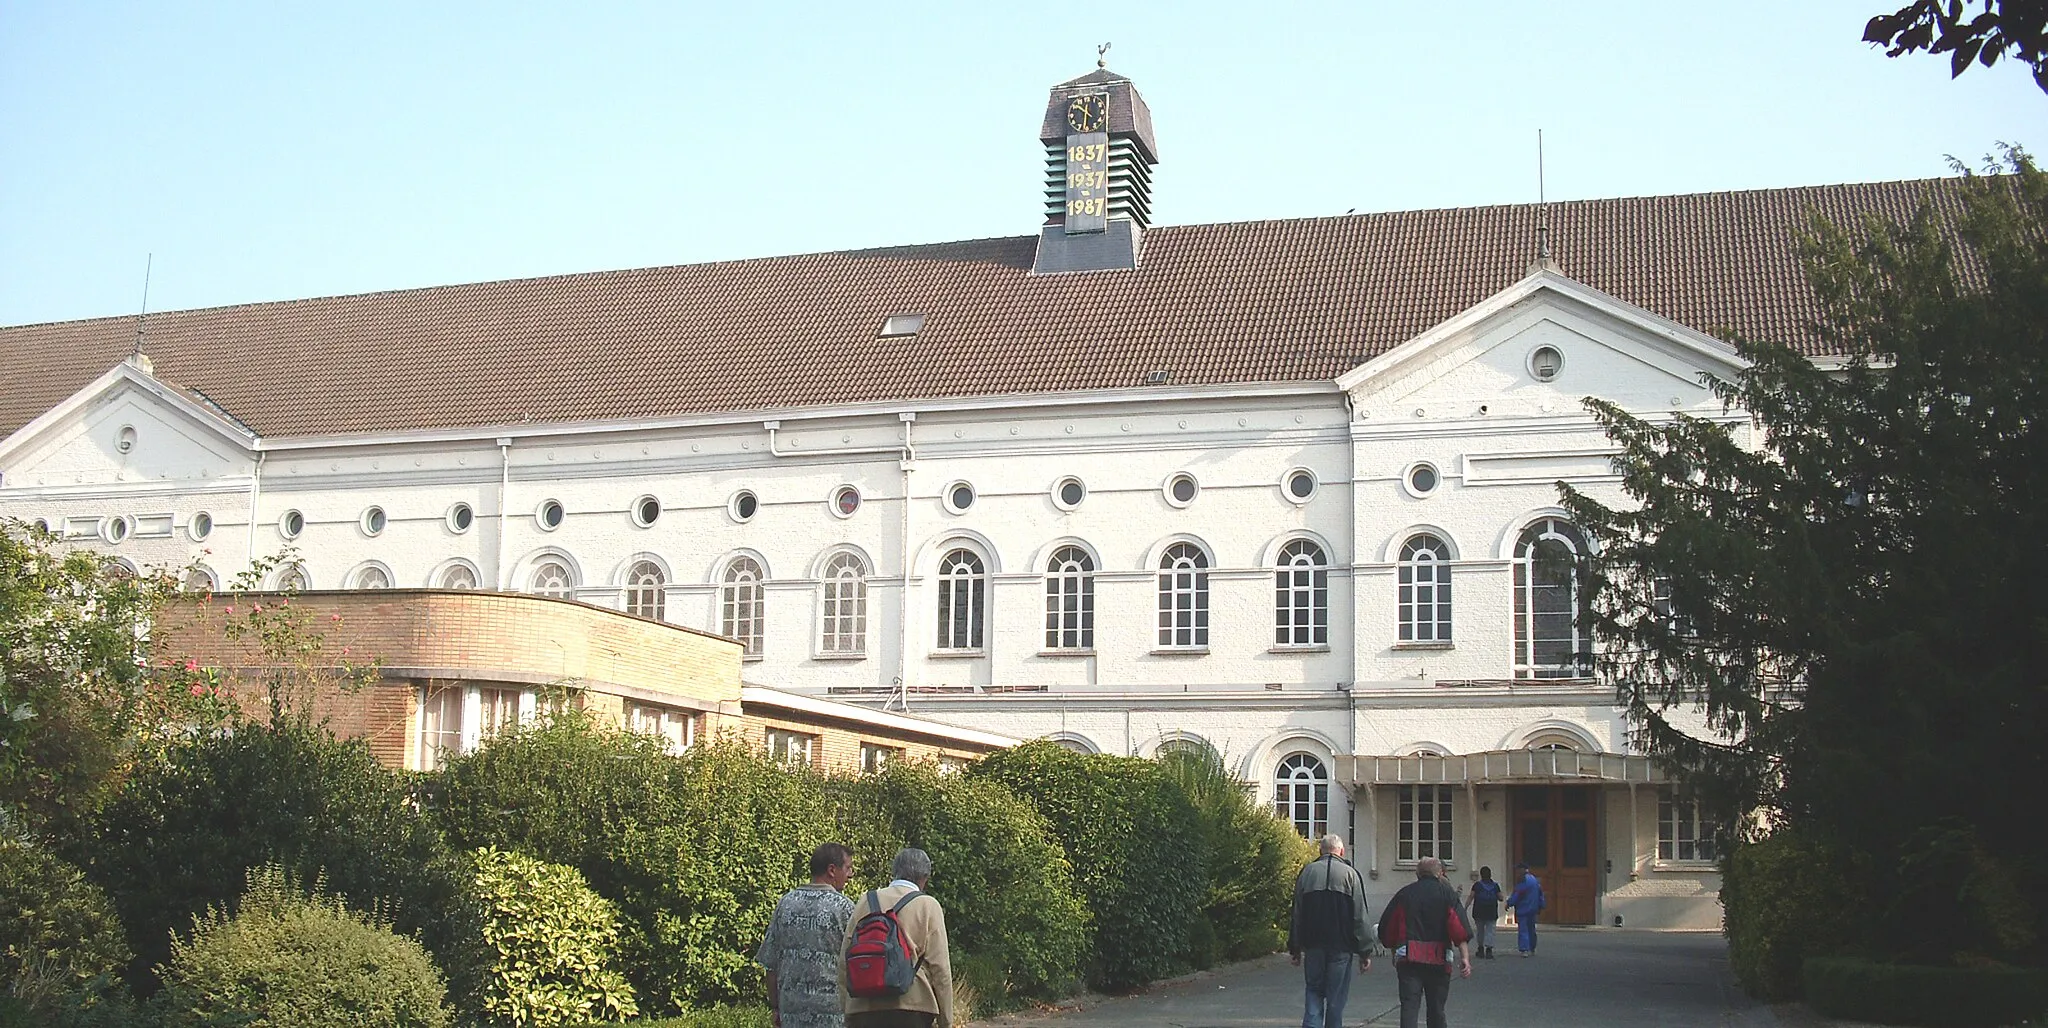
[1526,901]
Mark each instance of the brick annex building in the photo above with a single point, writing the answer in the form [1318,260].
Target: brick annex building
[1270,488]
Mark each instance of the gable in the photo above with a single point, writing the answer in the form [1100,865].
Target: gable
[1481,363]
[124,428]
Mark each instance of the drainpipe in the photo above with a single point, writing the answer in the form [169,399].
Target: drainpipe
[1635,833]
[908,459]
[255,494]
[504,489]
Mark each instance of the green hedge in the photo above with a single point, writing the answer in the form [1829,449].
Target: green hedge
[1138,849]
[1253,860]
[61,945]
[1018,928]
[1786,898]
[550,944]
[695,849]
[1963,997]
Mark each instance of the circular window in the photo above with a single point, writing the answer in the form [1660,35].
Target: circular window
[646,511]
[291,524]
[116,528]
[1422,479]
[744,505]
[460,517]
[550,514]
[200,527]
[1299,485]
[1545,362]
[374,521]
[959,497]
[845,500]
[1182,489]
[1068,493]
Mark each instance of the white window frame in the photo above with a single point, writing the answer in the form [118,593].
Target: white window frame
[1070,599]
[646,593]
[875,756]
[791,747]
[843,606]
[1423,598]
[1682,835]
[963,601]
[743,604]
[445,579]
[675,726]
[541,583]
[1301,597]
[480,712]
[1184,597]
[1528,599]
[438,739]
[1301,794]
[1424,815]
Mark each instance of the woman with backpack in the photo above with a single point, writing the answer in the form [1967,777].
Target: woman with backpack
[1484,904]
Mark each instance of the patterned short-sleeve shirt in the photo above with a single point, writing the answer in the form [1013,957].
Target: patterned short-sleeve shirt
[802,948]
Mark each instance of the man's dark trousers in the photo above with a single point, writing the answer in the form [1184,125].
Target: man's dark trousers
[1420,983]
[1326,973]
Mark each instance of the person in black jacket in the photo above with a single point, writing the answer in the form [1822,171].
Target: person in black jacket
[1426,925]
[1329,928]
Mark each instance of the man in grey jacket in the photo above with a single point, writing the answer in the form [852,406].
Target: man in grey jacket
[1328,931]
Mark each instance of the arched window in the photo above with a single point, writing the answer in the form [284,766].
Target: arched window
[457,576]
[963,592]
[843,614]
[372,577]
[293,579]
[552,578]
[1184,596]
[1070,600]
[740,605]
[1301,795]
[1550,641]
[198,579]
[1425,590]
[1301,596]
[646,595]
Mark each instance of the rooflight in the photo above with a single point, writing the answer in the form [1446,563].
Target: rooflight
[902,325]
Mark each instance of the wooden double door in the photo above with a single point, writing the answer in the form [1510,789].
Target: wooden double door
[1555,831]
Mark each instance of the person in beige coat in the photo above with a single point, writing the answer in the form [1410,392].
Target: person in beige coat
[929,1003]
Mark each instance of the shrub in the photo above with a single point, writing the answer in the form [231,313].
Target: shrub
[285,959]
[1252,858]
[60,942]
[1018,927]
[548,939]
[1965,997]
[1786,897]
[1138,853]
[694,849]
[183,834]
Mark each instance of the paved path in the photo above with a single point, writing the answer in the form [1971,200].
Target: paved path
[1582,977]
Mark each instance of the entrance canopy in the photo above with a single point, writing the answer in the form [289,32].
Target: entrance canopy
[1500,766]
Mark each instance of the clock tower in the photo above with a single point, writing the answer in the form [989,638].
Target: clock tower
[1099,155]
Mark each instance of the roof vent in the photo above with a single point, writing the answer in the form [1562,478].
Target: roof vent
[902,325]
[1159,377]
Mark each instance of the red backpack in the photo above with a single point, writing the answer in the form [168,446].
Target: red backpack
[879,963]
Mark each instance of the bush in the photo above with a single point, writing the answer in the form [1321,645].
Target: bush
[284,959]
[1018,928]
[713,1017]
[1785,898]
[1253,859]
[694,849]
[548,939]
[183,834]
[1137,848]
[1964,997]
[60,942]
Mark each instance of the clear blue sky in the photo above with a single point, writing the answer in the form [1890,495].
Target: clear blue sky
[268,151]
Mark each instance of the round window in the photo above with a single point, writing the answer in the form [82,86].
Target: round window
[461,516]
[43,525]
[1545,362]
[201,526]
[646,511]
[959,497]
[374,521]
[291,524]
[1069,493]
[845,501]
[744,506]
[116,529]
[1301,484]
[551,514]
[1423,479]
[1182,489]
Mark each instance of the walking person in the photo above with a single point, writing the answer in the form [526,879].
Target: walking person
[921,923]
[802,948]
[1426,925]
[1329,929]
[1484,906]
[1526,901]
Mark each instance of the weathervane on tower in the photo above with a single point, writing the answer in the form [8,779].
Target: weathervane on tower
[1102,56]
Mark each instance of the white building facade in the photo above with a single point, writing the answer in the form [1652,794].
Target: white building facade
[1323,575]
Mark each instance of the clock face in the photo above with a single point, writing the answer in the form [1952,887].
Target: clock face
[1089,113]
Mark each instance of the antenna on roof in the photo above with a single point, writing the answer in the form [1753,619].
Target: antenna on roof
[1102,56]
[136,356]
[1542,213]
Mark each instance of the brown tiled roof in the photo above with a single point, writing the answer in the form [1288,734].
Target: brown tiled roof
[1244,302]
